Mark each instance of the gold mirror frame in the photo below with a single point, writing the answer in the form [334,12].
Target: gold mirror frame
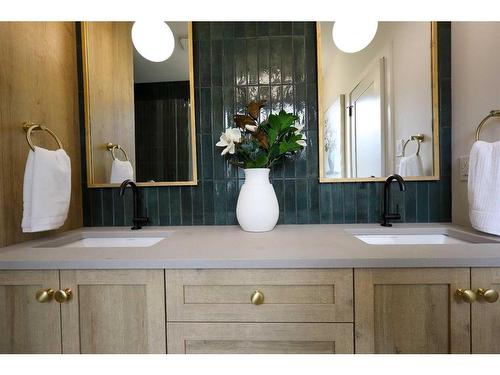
[88,140]
[435,116]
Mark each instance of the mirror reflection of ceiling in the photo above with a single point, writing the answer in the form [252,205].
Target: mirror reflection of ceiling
[175,68]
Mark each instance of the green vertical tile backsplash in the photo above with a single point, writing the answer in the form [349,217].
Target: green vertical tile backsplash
[239,61]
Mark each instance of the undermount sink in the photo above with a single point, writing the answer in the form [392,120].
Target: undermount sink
[409,239]
[112,239]
[417,236]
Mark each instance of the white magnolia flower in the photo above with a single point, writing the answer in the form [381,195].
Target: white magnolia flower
[251,128]
[228,140]
[301,142]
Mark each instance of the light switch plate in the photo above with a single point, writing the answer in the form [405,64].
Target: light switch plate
[464,168]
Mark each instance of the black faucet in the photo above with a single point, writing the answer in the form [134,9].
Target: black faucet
[386,216]
[137,220]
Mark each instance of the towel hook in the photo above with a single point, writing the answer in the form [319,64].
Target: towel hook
[419,138]
[112,147]
[29,126]
[494,113]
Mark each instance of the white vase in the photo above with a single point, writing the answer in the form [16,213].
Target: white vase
[257,209]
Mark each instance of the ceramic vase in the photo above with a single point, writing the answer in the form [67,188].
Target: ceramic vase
[257,209]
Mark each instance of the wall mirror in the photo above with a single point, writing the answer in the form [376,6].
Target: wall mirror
[378,108]
[139,113]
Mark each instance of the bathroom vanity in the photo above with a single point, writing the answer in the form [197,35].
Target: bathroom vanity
[297,289]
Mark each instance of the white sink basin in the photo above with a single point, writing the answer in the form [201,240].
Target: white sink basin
[114,242]
[409,239]
[417,236]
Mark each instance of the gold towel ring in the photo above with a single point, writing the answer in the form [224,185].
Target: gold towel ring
[112,147]
[494,113]
[419,138]
[30,126]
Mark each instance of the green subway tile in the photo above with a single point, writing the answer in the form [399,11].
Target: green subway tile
[208,202]
[349,203]
[216,62]
[240,63]
[290,212]
[279,190]
[275,49]
[410,202]
[287,60]
[298,28]
[423,202]
[96,207]
[207,161]
[262,28]
[186,207]
[219,199]
[232,192]
[175,206]
[337,203]
[299,72]
[153,205]
[128,209]
[274,28]
[326,214]
[302,200]
[252,62]
[107,207]
[374,202]
[197,204]
[205,104]
[263,60]
[434,202]
[313,187]
[164,205]
[362,197]
[228,62]
[217,30]
[203,61]
[286,28]
[118,208]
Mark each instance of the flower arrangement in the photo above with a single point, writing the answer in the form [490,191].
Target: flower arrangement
[261,145]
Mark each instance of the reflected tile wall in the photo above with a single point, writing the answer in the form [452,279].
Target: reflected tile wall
[239,61]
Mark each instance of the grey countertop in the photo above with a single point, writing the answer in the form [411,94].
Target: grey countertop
[287,246]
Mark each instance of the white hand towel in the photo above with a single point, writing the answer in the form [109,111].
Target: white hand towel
[484,187]
[410,166]
[121,171]
[46,190]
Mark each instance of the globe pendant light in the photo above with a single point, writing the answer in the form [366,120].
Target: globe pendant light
[153,40]
[353,35]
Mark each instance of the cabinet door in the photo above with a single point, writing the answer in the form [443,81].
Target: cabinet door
[26,325]
[486,316]
[260,338]
[411,311]
[114,311]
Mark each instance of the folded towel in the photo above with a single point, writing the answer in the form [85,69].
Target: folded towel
[46,190]
[121,171]
[484,187]
[410,166]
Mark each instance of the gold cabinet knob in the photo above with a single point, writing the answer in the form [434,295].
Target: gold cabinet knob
[63,295]
[257,297]
[489,295]
[44,295]
[466,295]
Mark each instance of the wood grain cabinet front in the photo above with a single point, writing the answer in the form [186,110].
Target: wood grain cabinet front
[411,311]
[271,295]
[113,311]
[30,320]
[260,338]
[486,310]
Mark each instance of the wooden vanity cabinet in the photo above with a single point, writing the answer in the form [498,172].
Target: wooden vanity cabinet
[114,311]
[26,325]
[411,311]
[485,315]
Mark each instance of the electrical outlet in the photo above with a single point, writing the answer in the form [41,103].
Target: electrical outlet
[464,168]
[399,147]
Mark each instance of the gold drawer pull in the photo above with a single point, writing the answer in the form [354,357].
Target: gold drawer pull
[44,295]
[489,295]
[63,295]
[257,297]
[467,295]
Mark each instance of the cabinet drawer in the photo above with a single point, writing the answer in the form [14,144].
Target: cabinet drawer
[260,338]
[288,295]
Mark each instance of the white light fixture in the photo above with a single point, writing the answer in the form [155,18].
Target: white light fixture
[353,35]
[153,40]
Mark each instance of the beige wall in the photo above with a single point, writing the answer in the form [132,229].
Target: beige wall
[475,91]
[38,82]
